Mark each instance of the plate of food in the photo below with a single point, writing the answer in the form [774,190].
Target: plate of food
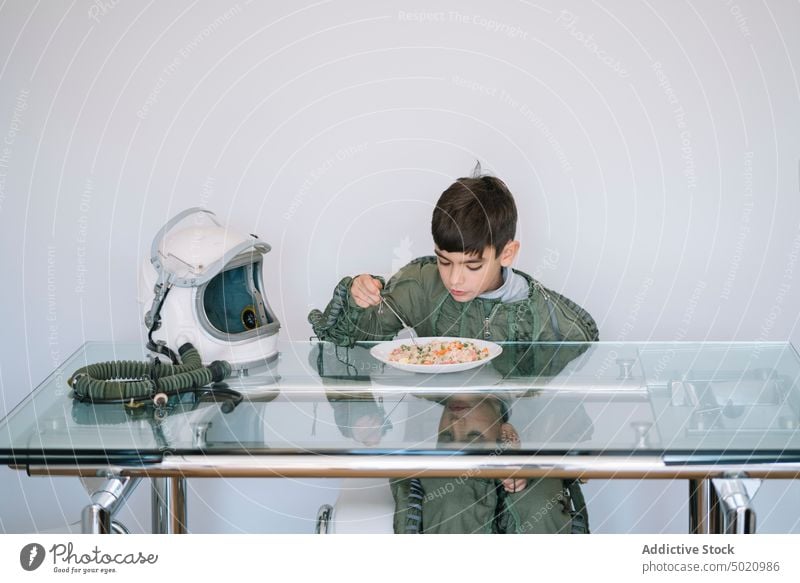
[436,354]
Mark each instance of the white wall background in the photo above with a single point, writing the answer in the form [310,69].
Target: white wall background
[652,148]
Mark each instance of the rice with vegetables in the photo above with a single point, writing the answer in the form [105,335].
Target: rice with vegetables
[438,352]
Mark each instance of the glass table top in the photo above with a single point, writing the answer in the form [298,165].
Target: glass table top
[705,401]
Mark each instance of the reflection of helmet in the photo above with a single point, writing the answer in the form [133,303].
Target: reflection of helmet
[207,286]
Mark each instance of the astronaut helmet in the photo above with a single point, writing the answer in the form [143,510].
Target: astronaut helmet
[203,284]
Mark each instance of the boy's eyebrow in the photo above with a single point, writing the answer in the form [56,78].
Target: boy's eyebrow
[475,435]
[475,260]
[445,436]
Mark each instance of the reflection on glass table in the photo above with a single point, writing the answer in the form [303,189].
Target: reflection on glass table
[680,399]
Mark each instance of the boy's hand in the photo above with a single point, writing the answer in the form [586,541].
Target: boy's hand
[368,429]
[366,291]
[515,484]
[510,439]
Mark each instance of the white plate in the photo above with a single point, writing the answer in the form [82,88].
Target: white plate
[384,349]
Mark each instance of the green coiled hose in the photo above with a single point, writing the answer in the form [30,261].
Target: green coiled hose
[126,380]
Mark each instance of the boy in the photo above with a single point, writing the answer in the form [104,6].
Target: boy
[467,289]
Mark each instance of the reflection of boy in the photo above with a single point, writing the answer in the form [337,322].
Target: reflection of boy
[478,505]
[476,419]
[468,289]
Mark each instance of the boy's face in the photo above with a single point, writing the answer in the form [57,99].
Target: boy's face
[468,276]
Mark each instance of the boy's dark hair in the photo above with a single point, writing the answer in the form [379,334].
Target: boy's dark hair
[474,213]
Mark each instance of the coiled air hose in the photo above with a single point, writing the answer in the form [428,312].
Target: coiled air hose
[126,380]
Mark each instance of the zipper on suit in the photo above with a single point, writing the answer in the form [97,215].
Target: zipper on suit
[487,320]
[540,288]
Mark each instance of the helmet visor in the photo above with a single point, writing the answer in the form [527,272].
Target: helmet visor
[234,305]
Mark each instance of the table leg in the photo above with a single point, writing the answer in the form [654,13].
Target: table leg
[698,506]
[107,498]
[169,505]
[735,509]
[706,516]
[95,520]
[716,515]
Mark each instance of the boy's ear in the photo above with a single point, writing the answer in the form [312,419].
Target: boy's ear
[509,253]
